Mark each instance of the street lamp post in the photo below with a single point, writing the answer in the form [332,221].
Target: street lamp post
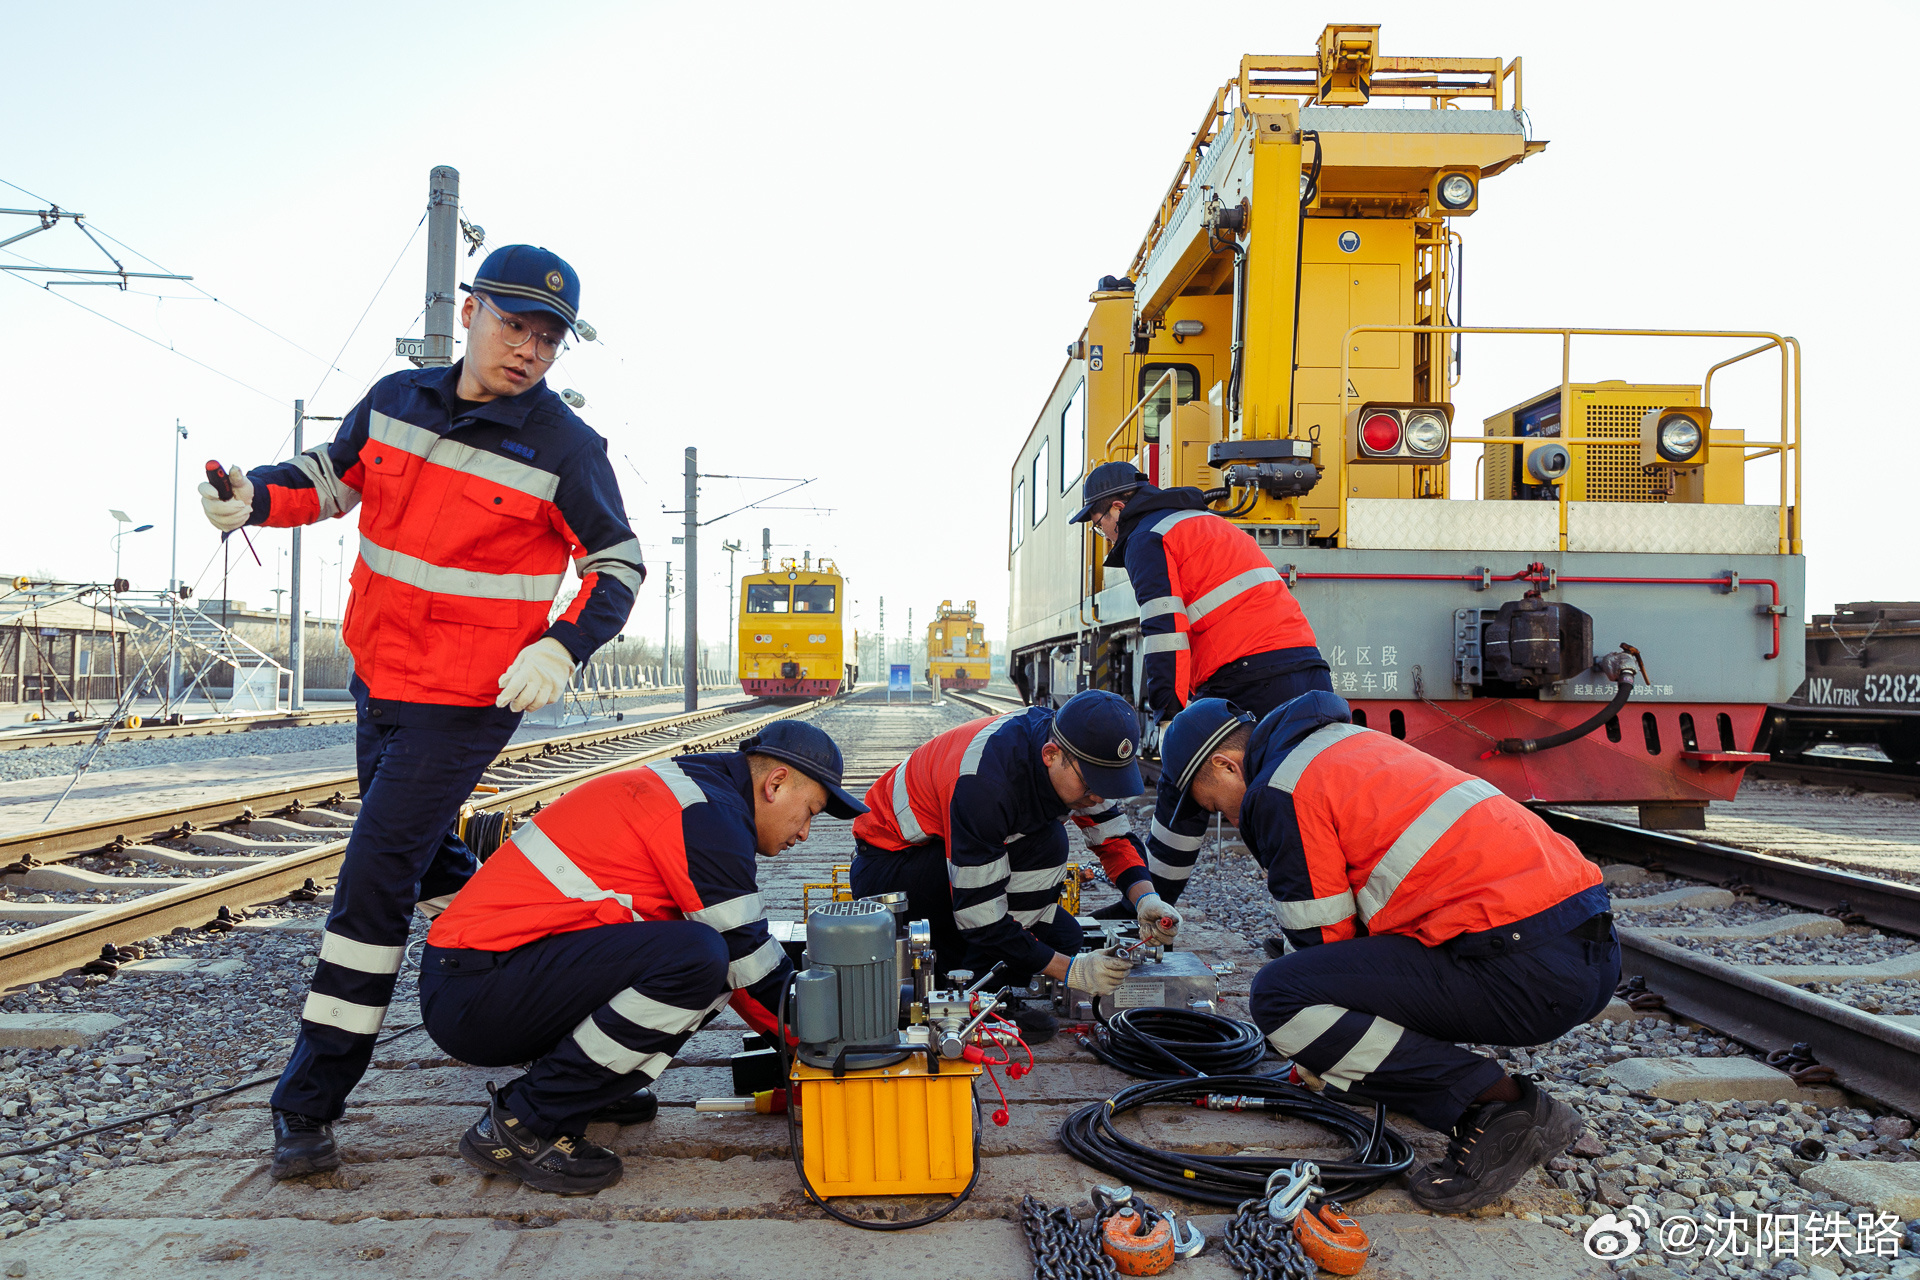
[730,548]
[121,519]
[173,581]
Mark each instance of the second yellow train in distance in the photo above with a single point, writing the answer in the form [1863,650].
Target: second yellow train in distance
[956,649]
[791,642]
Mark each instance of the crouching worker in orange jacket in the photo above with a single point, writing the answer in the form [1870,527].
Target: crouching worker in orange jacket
[613,926]
[1424,909]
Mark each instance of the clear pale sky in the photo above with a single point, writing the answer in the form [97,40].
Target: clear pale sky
[852,242]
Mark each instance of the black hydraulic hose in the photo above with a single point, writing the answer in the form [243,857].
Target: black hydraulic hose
[1176,1044]
[1623,690]
[1091,1137]
[799,1164]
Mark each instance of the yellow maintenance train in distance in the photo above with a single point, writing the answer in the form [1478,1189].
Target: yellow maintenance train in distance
[956,649]
[791,643]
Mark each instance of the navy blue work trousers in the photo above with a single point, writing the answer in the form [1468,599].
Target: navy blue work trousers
[599,1013]
[1382,1017]
[921,874]
[402,851]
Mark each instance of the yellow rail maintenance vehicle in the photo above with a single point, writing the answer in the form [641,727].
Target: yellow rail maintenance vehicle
[791,641]
[1288,339]
[956,648]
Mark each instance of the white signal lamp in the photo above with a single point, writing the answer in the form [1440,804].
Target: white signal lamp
[1675,437]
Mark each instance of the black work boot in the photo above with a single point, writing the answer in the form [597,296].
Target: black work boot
[1493,1146]
[302,1144]
[1037,1023]
[638,1107]
[566,1164]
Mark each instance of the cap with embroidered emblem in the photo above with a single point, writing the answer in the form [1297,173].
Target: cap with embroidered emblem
[808,748]
[1102,734]
[523,277]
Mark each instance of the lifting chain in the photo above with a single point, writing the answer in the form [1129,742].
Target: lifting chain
[1263,1247]
[1061,1250]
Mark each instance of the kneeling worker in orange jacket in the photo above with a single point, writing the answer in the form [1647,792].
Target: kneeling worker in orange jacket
[1424,909]
[614,925]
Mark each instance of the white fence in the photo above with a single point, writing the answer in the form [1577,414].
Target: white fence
[624,677]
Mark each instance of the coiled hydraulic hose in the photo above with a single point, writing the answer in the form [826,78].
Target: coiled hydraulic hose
[1176,1044]
[1090,1136]
[1614,665]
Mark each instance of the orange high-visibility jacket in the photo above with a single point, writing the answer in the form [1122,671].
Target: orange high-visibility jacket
[670,841]
[983,792]
[1207,593]
[1359,830]
[467,522]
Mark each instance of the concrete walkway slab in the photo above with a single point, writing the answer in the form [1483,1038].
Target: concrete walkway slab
[1889,1188]
[1803,924]
[55,1030]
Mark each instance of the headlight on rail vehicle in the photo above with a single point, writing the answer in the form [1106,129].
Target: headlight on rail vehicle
[1426,433]
[1455,191]
[1399,432]
[1674,437]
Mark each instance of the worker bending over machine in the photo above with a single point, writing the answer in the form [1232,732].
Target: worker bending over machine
[614,924]
[1424,909]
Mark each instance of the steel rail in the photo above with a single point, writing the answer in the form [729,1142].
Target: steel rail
[53,948]
[1839,771]
[85,733]
[1885,904]
[56,843]
[1869,1055]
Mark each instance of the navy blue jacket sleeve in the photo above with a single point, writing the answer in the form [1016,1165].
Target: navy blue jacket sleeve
[980,820]
[720,852]
[606,554]
[316,484]
[1173,845]
[1271,831]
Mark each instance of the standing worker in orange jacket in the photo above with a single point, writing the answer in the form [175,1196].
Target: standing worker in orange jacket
[1425,909]
[1216,621]
[476,485]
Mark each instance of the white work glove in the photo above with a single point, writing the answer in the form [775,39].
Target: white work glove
[228,514]
[537,677]
[1158,921]
[1098,972]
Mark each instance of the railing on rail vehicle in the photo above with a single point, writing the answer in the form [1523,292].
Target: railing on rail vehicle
[1790,535]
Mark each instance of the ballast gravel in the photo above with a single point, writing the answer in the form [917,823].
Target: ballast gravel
[185,1035]
[54,762]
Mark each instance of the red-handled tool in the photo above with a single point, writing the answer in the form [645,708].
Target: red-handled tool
[223,485]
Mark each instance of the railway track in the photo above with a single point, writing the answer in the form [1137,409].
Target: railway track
[83,733]
[1842,771]
[265,845]
[1757,1005]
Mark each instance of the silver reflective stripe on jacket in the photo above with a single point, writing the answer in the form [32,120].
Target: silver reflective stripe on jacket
[415,572]
[1161,605]
[1167,643]
[1287,776]
[1316,913]
[730,914]
[561,871]
[684,789]
[619,562]
[1412,845]
[1229,589]
[337,497]
[1164,523]
[1174,840]
[903,806]
[981,877]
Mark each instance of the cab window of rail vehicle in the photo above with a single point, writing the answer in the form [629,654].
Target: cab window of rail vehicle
[767,597]
[813,598]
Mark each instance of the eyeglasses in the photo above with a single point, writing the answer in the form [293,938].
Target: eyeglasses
[515,334]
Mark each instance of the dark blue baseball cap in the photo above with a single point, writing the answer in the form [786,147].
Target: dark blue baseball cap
[808,749]
[1192,737]
[521,277]
[1102,734]
[1108,480]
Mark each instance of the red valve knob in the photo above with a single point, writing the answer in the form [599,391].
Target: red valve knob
[1001,1117]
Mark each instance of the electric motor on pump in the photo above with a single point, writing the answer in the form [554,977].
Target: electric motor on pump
[615,923]
[1216,621]
[475,484]
[969,828]
[1424,909]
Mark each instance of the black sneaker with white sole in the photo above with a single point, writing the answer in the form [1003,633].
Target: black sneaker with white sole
[302,1145]
[566,1164]
[1493,1146]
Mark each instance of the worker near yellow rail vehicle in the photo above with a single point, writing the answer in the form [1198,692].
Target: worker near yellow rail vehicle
[1423,909]
[1215,618]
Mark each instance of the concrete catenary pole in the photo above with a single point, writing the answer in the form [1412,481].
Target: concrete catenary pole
[690,661]
[766,551]
[296,624]
[443,271]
